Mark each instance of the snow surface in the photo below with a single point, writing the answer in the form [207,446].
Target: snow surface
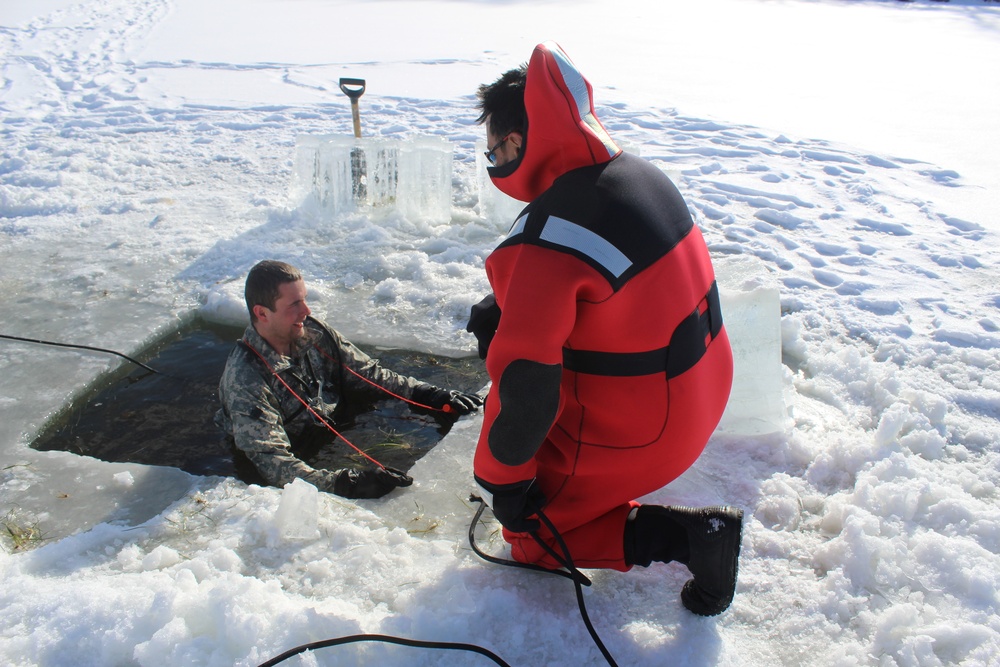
[147,162]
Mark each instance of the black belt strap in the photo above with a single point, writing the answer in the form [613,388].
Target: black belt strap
[687,346]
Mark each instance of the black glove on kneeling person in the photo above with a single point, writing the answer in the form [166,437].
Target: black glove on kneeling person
[514,504]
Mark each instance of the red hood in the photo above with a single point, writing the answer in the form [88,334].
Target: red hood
[563,130]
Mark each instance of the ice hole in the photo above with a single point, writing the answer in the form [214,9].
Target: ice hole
[166,418]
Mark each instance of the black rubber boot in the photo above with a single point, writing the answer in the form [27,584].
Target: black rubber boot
[654,535]
[706,539]
[714,537]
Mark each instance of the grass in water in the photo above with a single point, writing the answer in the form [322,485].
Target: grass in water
[20,533]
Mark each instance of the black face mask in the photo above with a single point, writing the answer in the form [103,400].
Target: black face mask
[509,168]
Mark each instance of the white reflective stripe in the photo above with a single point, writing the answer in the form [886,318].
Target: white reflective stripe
[486,495]
[571,235]
[518,226]
[577,86]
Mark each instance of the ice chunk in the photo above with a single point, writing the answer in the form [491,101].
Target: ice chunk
[340,174]
[751,310]
[297,517]
[424,185]
[160,558]
[124,479]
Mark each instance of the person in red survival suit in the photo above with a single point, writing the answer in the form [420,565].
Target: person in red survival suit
[604,342]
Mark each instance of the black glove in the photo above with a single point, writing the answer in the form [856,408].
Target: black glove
[483,322]
[463,403]
[448,400]
[369,483]
[513,504]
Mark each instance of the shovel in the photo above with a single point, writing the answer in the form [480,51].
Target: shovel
[354,89]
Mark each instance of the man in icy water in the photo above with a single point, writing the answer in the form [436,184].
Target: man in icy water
[603,340]
[289,369]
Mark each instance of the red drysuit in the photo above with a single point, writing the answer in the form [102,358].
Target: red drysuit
[610,365]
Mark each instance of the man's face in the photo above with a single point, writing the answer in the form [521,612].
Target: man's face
[282,327]
[508,148]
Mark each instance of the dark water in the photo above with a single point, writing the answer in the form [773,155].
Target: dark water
[166,418]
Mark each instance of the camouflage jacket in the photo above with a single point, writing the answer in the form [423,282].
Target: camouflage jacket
[263,416]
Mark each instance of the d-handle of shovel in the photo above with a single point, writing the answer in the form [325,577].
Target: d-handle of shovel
[354,93]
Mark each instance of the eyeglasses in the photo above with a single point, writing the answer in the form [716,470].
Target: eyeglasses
[491,154]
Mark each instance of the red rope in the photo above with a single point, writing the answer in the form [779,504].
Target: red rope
[446,408]
[310,409]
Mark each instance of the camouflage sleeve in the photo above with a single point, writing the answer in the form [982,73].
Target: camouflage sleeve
[370,369]
[258,430]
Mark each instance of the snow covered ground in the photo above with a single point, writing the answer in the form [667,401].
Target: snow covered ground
[148,160]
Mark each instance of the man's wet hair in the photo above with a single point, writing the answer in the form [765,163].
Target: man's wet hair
[264,283]
[502,102]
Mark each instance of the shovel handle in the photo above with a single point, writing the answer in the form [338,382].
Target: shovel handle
[354,94]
